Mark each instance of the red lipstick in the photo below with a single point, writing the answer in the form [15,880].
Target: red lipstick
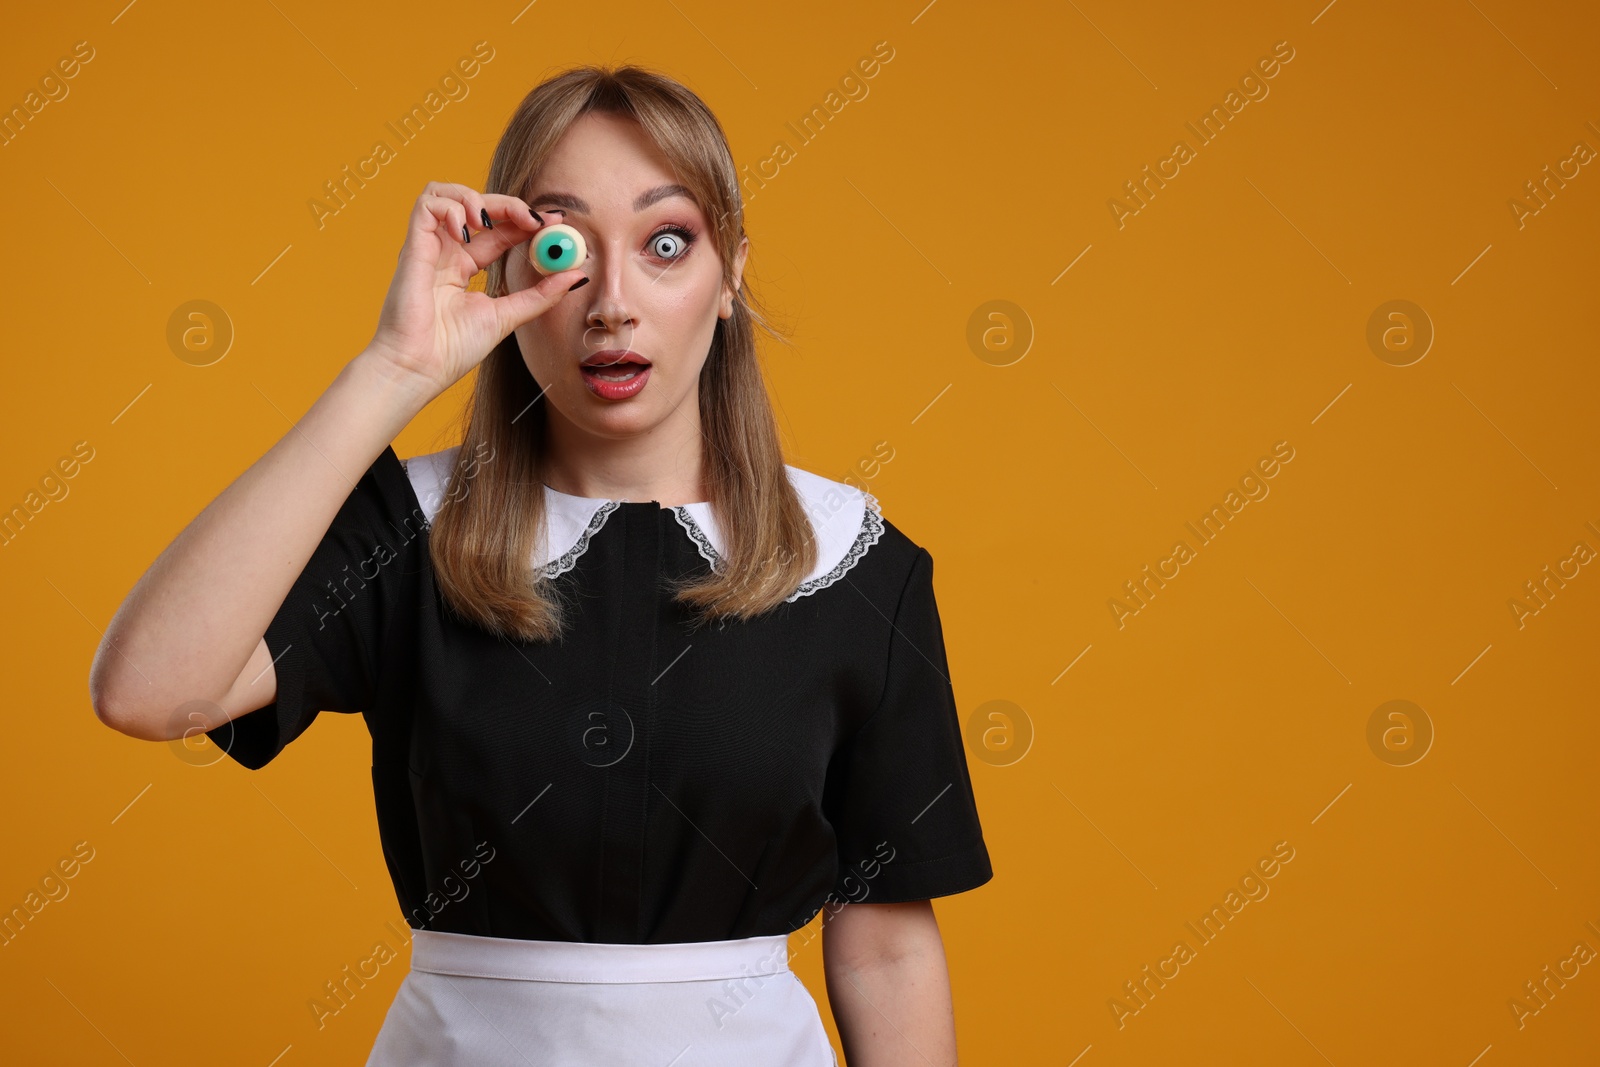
[615,373]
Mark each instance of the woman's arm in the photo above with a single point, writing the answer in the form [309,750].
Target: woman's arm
[192,628]
[889,985]
[193,622]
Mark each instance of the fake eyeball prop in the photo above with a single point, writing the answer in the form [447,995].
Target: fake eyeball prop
[556,248]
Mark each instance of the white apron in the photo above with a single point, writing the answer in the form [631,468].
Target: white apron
[472,1001]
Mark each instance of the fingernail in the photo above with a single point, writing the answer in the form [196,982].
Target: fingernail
[483,213]
[466,237]
[576,284]
[536,217]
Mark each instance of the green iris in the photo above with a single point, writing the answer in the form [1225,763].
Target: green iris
[555,251]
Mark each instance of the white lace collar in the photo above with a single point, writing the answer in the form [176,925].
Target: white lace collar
[846,521]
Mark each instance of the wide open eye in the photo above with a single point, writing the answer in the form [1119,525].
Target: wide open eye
[557,247]
[668,244]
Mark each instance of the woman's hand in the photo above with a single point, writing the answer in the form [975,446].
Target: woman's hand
[432,327]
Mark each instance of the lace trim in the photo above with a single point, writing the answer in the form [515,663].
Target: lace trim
[869,534]
[871,530]
[569,558]
[697,535]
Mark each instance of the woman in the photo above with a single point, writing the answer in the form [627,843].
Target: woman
[643,698]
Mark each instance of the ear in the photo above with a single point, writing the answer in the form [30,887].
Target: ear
[743,252]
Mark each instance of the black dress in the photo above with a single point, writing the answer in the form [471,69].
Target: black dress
[636,781]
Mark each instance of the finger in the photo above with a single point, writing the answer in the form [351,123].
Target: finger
[502,207]
[484,246]
[525,305]
[443,213]
[484,209]
[454,190]
[517,224]
[516,227]
[465,220]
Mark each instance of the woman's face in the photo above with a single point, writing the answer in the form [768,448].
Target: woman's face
[655,285]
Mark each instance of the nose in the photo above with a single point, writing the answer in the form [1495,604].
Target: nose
[609,316]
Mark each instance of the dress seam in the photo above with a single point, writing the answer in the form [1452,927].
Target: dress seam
[888,675]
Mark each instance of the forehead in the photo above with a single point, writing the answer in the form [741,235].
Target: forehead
[579,206]
[606,162]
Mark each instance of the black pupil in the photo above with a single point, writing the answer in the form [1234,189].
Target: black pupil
[553,251]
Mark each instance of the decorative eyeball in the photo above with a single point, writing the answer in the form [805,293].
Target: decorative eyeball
[556,248]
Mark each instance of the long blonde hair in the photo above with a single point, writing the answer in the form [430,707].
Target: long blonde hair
[486,530]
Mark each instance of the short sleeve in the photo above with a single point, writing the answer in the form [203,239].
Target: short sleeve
[898,794]
[335,632]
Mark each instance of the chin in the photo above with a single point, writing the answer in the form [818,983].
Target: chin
[618,424]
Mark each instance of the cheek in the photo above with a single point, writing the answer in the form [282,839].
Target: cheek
[547,336]
[688,307]
[681,309]
[544,338]
[686,320]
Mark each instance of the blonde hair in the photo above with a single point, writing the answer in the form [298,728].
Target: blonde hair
[482,539]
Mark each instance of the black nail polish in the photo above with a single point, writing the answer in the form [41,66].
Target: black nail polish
[576,284]
[483,213]
[466,237]
[536,217]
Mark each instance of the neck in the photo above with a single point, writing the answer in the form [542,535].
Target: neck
[664,464]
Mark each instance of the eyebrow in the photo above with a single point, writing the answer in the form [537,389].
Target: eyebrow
[581,206]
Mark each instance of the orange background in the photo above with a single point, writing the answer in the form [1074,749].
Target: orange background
[1230,313]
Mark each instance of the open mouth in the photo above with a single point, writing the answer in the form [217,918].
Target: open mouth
[614,367]
[615,372]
